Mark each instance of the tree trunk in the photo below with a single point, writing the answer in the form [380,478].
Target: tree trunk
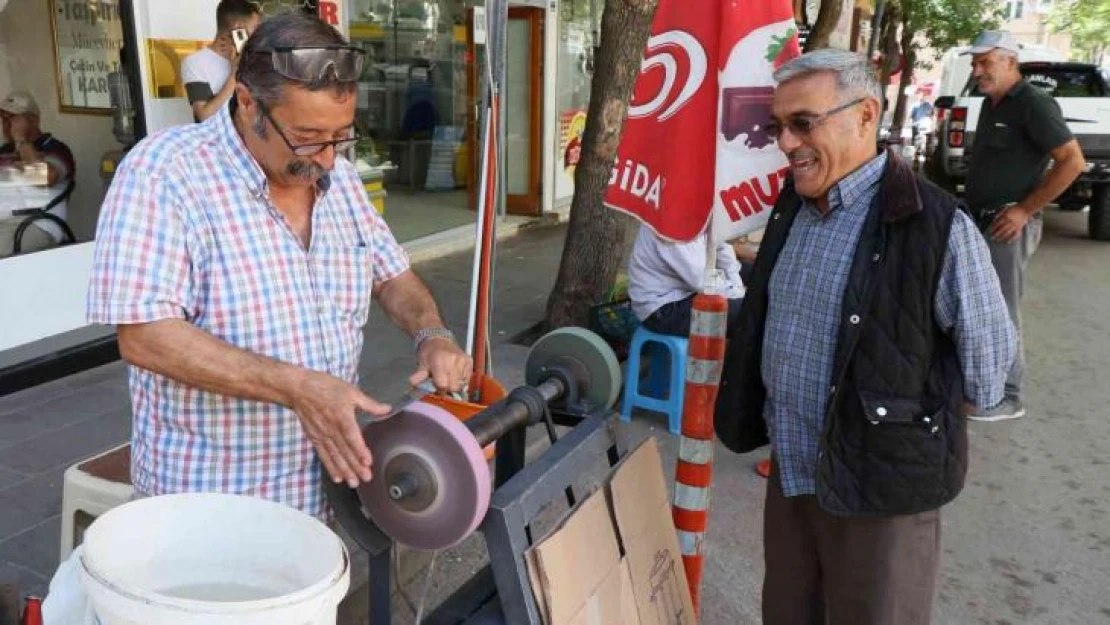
[888,45]
[597,237]
[827,19]
[909,61]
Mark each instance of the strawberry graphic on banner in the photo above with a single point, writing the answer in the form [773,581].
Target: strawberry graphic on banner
[693,148]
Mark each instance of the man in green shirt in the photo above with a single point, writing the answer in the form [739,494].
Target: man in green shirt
[1020,129]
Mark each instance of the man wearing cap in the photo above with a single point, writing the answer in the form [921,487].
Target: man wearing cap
[25,143]
[1020,129]
[237,259]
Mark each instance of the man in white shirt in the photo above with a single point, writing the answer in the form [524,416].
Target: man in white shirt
[664,277]
[209,75]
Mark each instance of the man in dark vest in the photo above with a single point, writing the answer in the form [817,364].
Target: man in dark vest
[873,322]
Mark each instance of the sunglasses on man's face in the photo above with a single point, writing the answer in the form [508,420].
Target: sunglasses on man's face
[803,124]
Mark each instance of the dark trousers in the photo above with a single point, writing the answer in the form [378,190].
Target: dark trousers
[674,318]
[828,570]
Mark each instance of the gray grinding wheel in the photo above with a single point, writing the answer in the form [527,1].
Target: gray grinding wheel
[587,354]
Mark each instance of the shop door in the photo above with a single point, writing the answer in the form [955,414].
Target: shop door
[523,97]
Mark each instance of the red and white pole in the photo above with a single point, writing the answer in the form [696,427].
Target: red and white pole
[693,475]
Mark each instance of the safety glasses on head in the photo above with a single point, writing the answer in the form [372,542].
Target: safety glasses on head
[310,64]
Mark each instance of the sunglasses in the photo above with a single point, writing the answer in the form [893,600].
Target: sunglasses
[310,149]
[311,64]
[802,124]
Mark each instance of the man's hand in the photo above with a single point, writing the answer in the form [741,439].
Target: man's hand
[326,406]
[1010,222]
[441,360]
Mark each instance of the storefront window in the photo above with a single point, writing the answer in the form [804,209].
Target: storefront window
[579,25]
[416,108]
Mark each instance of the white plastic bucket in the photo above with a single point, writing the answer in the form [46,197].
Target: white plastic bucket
[212,559]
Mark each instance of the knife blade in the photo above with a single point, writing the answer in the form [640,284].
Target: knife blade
[413,395]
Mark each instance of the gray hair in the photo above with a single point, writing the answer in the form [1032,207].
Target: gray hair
[291,30]
[855,77]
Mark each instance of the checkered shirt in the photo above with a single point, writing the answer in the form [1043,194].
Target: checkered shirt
[805,295]
[187,231]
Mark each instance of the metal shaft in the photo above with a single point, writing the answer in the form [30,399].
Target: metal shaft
[508,414]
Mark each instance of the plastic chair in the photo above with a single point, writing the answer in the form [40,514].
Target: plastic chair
[663,388]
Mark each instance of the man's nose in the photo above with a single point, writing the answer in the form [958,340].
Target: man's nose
[788,141]
[325,158]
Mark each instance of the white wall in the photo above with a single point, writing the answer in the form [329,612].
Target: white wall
[27,64]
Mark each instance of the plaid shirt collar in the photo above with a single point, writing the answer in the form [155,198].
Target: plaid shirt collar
[245,163]
[858,187]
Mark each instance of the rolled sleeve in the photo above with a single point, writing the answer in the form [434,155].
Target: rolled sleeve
[390,259]
[970,307]
[1046,125]
[142,263]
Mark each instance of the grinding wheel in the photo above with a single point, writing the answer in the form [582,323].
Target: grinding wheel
[431,485]
[587,353]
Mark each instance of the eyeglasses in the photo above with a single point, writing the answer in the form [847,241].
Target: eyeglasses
[802,124]
[315,63]
[310,149]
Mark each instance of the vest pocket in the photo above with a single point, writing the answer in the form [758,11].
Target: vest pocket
[903,443]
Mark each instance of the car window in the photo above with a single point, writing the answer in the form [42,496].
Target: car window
[1060,82]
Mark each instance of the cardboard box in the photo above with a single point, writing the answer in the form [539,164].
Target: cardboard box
[615,559]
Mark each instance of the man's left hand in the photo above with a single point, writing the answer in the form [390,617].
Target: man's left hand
[1008,225]
[448,366]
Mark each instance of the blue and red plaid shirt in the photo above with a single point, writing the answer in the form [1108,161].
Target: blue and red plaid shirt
[804,310]
[187,231]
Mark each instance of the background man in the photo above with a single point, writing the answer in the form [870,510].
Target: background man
[1020,127]
[664,277]
[25,142]
[209,75]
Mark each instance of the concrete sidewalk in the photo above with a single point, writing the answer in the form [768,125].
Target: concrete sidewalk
[46,429]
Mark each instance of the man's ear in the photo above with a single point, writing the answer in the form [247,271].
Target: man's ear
[244,98]
[870,112]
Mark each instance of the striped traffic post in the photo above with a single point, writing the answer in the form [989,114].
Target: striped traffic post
[705,357]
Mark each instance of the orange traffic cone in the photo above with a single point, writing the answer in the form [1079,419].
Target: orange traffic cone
[763,468]
[32,611]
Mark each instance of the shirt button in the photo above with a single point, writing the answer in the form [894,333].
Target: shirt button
[854,320]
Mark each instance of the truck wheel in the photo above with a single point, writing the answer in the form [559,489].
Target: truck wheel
[1098,224]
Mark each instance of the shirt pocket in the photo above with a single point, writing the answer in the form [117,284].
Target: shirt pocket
[1003,138]
[345,279]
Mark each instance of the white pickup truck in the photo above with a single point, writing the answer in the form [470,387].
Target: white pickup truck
[1083,92]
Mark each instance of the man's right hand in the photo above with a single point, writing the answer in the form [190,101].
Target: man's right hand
[327,406]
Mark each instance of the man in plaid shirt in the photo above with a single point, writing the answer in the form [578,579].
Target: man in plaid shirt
[237,259]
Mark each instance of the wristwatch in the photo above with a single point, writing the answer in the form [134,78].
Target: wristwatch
[431,333]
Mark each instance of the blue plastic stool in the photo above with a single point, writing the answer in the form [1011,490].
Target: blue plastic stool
[665,383]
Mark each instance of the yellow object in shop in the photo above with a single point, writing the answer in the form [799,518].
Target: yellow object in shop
[376,190]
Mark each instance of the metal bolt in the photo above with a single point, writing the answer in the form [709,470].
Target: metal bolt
[404,486]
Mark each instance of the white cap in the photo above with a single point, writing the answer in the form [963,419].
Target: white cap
[19,103]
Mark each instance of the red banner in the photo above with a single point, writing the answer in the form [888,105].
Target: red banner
[693,146]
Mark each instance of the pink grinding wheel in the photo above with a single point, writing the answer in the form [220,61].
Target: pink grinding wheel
[440,457]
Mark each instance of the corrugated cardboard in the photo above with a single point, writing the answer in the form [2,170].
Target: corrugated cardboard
[612,603]
[578,573]
[576,559]
[647,532]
